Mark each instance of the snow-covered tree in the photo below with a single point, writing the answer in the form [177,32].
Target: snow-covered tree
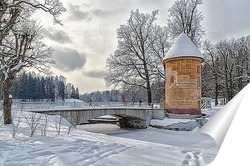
[226,67]
[135,63]
[158,88]
[185,17]
[159,48]
[213,65]
[133,94]
[20,42]
[243,62]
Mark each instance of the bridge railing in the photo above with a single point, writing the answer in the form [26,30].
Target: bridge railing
[209,102]
[46,105]
[119,104]
[17,105]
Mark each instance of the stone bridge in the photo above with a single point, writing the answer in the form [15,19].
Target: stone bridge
[134,117]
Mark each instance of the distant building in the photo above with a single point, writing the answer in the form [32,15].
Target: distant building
[183,78]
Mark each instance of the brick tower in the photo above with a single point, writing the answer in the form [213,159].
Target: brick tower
[183,79]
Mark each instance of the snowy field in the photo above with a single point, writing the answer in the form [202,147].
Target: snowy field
[135,147]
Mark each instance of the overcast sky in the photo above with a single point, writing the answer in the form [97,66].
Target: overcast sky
[88,35]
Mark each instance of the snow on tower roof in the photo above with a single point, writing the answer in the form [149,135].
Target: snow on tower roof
[183,47]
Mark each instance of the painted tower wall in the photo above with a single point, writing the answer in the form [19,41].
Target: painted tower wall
[183,85]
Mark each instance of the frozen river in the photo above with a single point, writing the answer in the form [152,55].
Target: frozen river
[154,135]
[102,128]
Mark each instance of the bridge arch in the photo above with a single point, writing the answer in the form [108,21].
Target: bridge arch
[132,117]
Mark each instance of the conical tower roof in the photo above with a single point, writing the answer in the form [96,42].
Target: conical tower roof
[183,47]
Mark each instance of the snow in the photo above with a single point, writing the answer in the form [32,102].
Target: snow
[2,67]
[136,147]
[107,117]
[102,128]
[17,67]
[183,47]
[175,124]
[211,111]
[6,75]
[72,100]
[167,121]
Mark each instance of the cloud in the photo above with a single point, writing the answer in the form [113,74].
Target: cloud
[68,59]
[77,14]
[101,13]
[99,40]
[59,36]
[86,5]
[98,73]
[230,21]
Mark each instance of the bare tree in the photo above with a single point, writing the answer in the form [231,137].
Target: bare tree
[185,17]
[212,62]
[225,49]
[158,88]
[20,42]
[33,120]
[71,119]
[15,126]
[243,62]
[58,123]
[69,116]
[131,94]
[159,48]
[133,63]
[13,11]
[44,125]
[22,48]
[228,63]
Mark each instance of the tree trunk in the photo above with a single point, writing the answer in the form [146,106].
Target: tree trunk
[231,94]
[216,91]
[149,92]
[226,82]
[6,100]
[148,86]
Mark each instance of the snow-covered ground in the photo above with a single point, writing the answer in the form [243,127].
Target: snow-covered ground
[185,124]
[210,112]
[136,147]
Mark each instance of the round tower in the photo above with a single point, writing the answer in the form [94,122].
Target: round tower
[183,78]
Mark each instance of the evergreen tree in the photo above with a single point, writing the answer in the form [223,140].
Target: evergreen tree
[61,90]
[56,83]
[15,88]
[73,93]
[29,86]
[51,89]
[43,91]
[77,93]
[38,88]
[23,84]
